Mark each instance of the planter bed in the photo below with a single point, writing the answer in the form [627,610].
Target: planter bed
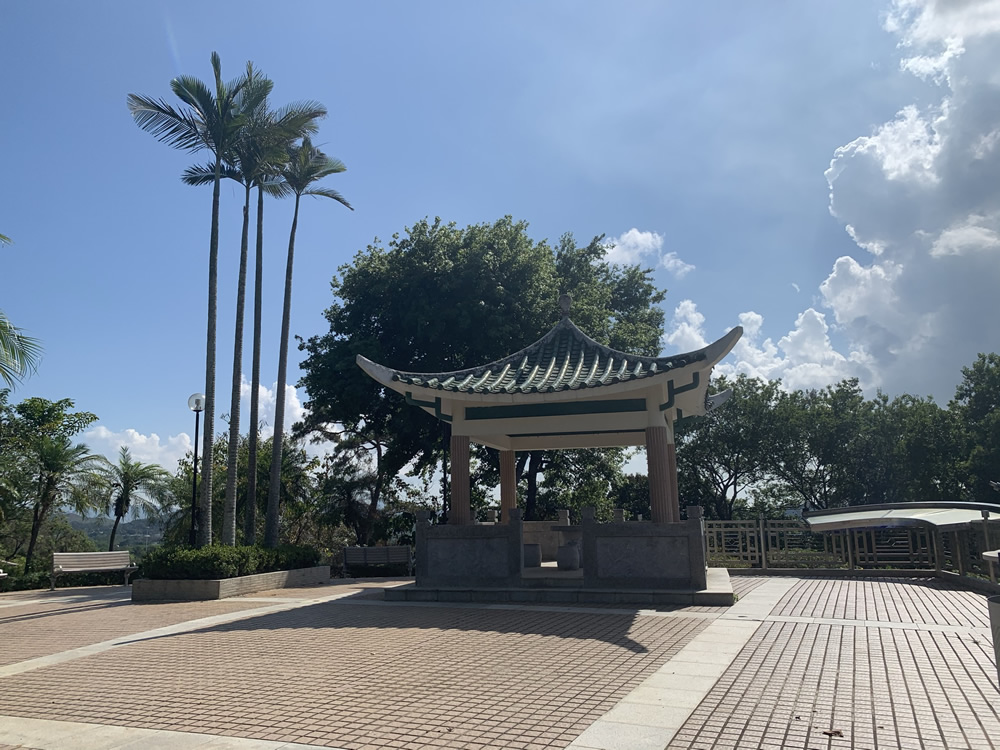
[148,590]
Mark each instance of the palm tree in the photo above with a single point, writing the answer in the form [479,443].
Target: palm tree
[254,160]
[63,469]
[306,165]
[210,121]
[130,485]
[273,184]
[18,353]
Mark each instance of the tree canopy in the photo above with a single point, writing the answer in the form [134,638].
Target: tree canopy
[440,297]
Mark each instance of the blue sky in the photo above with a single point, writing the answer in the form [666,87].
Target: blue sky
[823,174]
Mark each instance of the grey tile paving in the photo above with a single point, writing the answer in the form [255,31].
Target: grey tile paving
[888,664]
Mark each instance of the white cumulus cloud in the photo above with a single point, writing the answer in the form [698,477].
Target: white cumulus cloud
[686,329]
[803,358]
[149,449]
[921,196]
[636,247]
[152,448]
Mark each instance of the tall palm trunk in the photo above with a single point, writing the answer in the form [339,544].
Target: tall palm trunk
[114,531]
[271,522]
[250,519]
[229,511]
[204,536]
[36,523]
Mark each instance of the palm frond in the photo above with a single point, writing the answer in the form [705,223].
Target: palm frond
[194,93]
[5,240]
[176,128]
[274,186]
[18,353]
[299,117]
[328,193]
[204,174]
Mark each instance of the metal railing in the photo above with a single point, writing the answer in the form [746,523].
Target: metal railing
[791,544]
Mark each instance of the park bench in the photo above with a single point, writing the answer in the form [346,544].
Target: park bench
[91,562]
[378,556]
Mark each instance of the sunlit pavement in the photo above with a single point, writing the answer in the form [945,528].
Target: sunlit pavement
[796,663]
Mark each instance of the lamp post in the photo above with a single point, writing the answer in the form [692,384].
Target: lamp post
[196,404]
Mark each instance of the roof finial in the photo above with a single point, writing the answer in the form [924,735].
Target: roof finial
[564,304]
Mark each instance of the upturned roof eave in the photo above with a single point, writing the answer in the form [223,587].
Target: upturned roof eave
[384,376]
[702,359]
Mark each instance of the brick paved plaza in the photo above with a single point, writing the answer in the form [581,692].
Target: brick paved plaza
[796,663]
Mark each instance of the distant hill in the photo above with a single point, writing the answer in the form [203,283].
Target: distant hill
[137,533]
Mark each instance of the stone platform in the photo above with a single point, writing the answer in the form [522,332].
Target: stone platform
[549,585]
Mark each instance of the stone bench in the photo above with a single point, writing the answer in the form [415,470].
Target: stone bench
[378,556]
[91,562]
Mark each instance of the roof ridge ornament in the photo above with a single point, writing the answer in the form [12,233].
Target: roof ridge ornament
[565,302]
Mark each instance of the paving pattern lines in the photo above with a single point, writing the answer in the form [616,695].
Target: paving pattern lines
[356,676]
[35,628]
[918,600]
[743,585]
[880,688]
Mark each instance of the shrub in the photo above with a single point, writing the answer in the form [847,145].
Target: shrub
[41,579]
[224,562]
[803,558]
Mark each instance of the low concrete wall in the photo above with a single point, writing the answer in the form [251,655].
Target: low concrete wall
[147,590]
[481,555]
[640,555]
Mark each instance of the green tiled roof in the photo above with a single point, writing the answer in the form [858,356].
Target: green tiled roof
[563,359]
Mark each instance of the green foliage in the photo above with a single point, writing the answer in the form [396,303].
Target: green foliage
[804,558]
[439,298]
[19,353]
[128,486]
[297,491]
[41,470]
[205,563]
[977,405]
[724,454]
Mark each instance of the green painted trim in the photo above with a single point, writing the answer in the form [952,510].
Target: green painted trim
[435,405]
[580,432]
[554,409]
[672,391]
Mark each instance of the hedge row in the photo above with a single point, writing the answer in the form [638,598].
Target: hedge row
[224,562]
[41,579]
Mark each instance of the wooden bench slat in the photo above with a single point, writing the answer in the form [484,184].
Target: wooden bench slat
[91,562]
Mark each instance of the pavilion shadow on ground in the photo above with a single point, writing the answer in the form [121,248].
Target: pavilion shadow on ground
[613,628]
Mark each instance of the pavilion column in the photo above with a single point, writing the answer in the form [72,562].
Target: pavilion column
[675,497]
[508,484]
[461,507]
[662,470]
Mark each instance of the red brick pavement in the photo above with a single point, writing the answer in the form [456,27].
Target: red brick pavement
[367,676]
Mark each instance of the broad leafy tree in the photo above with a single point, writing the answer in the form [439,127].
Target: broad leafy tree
[439,298]
[977,405]
[213,120]
[724,454]
[305,167]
